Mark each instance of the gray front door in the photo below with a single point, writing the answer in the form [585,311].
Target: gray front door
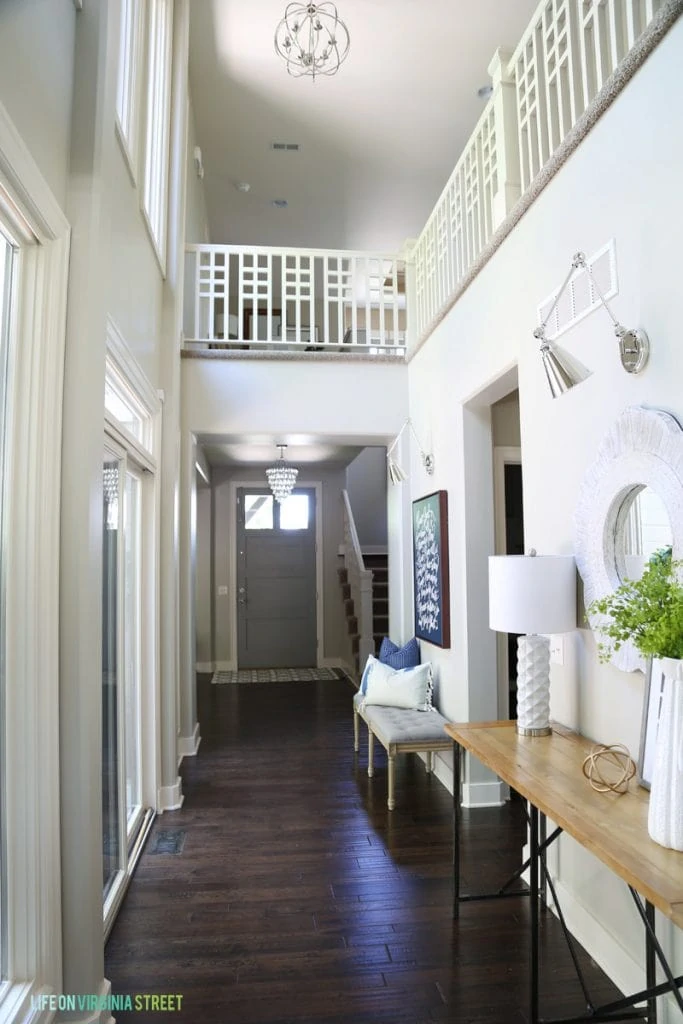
[276,580]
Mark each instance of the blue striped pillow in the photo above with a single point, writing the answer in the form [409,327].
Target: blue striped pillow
[407,656]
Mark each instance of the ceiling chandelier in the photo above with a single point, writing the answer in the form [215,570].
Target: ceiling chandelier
[282,477]
[312,39]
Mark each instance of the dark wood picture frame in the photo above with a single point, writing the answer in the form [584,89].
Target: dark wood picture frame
[431,590]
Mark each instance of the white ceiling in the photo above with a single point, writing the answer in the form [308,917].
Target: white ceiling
[223,451]
[378,140]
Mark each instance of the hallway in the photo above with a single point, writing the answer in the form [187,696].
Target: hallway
[298,897]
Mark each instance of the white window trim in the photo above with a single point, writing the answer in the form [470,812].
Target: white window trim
[32,583]
[127,119]
[143,460]
[155,186]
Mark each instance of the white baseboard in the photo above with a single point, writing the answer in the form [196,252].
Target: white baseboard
[97,1016]
[483,794]
[225,666]
[189,745]
[205,666]
[170,798]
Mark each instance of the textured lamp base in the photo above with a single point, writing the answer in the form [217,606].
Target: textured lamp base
[533,685]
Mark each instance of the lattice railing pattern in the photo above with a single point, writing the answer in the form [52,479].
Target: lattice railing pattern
[567,54]
[295,299]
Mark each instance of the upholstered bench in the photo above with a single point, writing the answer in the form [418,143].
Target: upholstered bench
[400,731]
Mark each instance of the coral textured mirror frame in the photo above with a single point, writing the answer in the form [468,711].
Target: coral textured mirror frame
[643,448]
[430,569]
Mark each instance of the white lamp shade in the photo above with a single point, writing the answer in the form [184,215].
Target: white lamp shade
[532,593]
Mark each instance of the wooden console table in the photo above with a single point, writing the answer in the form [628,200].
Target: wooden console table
[546,771]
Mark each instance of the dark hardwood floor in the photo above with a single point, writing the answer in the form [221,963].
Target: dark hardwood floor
[298,897]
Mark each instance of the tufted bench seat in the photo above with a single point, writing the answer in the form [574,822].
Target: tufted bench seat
[400,732]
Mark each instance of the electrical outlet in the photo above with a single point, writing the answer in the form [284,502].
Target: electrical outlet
[557,650]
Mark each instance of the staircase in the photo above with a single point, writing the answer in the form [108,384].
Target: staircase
[377,564]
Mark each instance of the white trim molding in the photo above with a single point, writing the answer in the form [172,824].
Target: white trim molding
[170,798]
[32,807]
[189,745]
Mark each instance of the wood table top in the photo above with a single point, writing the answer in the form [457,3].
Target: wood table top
[547,771]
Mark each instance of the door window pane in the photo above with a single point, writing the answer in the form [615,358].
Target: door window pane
[111,853]
[5,270]
[131,641]
[258,511]
[295,512]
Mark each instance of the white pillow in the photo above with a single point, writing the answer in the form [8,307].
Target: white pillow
[409,688]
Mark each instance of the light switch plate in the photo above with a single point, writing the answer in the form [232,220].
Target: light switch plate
[222,591]
[557,650]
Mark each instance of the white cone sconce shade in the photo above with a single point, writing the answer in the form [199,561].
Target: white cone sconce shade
[532,594]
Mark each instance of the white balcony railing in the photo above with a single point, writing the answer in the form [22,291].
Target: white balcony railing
[294,300]
[319,300]
[569,50]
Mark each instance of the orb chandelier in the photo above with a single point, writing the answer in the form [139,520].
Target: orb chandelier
[312,39]
[282,477]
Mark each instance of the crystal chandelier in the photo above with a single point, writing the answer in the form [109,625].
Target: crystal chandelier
[312,39]
[282,477]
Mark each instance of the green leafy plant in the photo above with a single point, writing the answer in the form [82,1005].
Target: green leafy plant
[648,612]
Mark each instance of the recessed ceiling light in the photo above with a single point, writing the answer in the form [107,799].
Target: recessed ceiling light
[242,186]
[280,203]
[485,91]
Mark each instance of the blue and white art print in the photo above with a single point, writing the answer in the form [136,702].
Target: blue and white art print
[430,568]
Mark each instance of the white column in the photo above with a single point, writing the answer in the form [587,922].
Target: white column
[170,790]
[88,211]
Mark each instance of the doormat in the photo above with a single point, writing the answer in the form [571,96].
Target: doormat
[168,840]
[278,675]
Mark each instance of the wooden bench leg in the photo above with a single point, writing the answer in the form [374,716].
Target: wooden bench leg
[371,750]
[391,803]
[430,761]
[356,716]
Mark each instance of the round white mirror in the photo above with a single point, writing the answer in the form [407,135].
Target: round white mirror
[630,505]
[643,528]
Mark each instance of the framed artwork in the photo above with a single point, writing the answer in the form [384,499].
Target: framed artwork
[652,706]
[430,569]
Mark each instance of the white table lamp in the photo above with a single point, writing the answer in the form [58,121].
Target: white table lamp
[532,594]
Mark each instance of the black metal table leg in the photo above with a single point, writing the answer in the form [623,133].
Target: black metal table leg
[457,755]
[650,965]
[534,911]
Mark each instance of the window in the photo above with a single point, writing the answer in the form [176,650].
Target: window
[5,281]
[129,653]
[157,128]
[33,282]
[258,512]
[126,90]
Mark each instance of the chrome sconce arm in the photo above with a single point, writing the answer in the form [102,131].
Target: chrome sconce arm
[562,371]
[394,472]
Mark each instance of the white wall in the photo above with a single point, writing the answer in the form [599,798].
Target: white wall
[366,483]
[505,421]
[335,646]
[36,81]
[196,223]
[365,402]
[624,183]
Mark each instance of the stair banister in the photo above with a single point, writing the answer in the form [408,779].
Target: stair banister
[360,581]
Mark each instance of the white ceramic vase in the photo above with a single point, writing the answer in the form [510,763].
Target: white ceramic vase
[665,816]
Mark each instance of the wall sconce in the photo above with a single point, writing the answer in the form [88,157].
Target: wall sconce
[394,472]
[563,371]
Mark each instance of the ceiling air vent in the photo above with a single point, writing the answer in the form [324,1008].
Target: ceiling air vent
[285,147]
